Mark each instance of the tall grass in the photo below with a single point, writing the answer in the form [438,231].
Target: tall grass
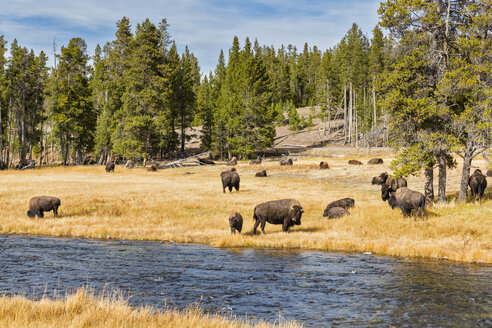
[173,205]
[84,309]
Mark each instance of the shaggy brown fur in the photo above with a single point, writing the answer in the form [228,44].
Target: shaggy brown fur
[286,212]
[40,204]
[230,179]
[354,162]
[335,212]
[323,166]
[261,174]
[235,222]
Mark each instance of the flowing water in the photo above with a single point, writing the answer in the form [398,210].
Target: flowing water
[318,289]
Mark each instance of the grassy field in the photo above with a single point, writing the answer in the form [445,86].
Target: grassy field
[187,205]
[83,309]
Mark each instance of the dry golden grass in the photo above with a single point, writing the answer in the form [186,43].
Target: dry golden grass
[83,309]
[171,205]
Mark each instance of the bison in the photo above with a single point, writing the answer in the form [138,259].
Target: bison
[110,167]
[286,161]
[407,200]
[375,161]
[230,179]
[261,174]
[235,222]
[255,161]
[354,162]
[323,166]
[286,212]
[232,162]
[335,212]
[477,183]
[343,203]
[40,204]
[396,183]
[152,168]
[380,179]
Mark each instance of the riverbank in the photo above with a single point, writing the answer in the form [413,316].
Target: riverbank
[186,205]
[84,309]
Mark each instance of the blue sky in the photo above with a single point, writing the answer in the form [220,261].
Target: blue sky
[205,26]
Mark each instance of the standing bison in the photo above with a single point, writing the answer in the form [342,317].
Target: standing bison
[110,167]
[477,183]
[261,174]
[407,200]
[323,166]
[40,204]
[396,183]
[286,212]
[380,179]
[235,222]
[286,161]
[230,179]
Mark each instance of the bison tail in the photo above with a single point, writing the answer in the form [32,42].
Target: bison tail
[255,218]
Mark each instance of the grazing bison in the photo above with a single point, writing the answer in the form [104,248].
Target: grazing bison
[40,204]
[232,162]
[206,161]
[129,164]
[477,183]
[110,167]
[286,212]
[230,178]
[323,166]
[261,174]
[354,162]
[375,161]
[489,173]
[152,168]
[255,161]
[335,212]
[235,222]
[286,161]
[407,200]
[343,203]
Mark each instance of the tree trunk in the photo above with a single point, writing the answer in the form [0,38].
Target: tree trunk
[350,114]
[465,173]
[1,134]
[183,136]
[62,146]
[345,113]
[441,193]
[429,182]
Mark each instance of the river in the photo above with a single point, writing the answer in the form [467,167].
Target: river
[318,289]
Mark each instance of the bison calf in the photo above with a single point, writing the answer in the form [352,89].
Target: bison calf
[408,200]
[354,162]
[286,212]
[323,166]
[235,222]
[40,204]
[335,212]
[261,174]
[343,203]
[230,179]
[110,167]
[477,183]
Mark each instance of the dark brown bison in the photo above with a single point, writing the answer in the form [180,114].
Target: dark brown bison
[477,183]
[343,203]
[335,212]
[408,200]
[375,161]
[380,179]
[323,166]
[40,204]
[110,167]
[489,173]
[255,161]
[286,161]
[205,161]
[230,179]
[235,222]
[152,168]
[261,174]
[286,212]
[232,162]
[130,164]
[354,162]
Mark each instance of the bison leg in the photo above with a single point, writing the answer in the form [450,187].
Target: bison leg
[237,187]
[233,231]
[257,222]
[55,211]
[40,214]
[285,226]
[263,227]
[230,188]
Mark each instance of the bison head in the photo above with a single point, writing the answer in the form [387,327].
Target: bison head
[297,214]
[31,214]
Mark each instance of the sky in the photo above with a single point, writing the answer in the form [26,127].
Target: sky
[205,26]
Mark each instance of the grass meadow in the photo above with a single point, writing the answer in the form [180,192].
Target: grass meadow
[186,205]
[84,309]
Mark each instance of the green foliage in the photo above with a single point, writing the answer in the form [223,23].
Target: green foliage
[294,119]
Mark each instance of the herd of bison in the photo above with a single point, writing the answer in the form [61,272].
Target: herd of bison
[288,212]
